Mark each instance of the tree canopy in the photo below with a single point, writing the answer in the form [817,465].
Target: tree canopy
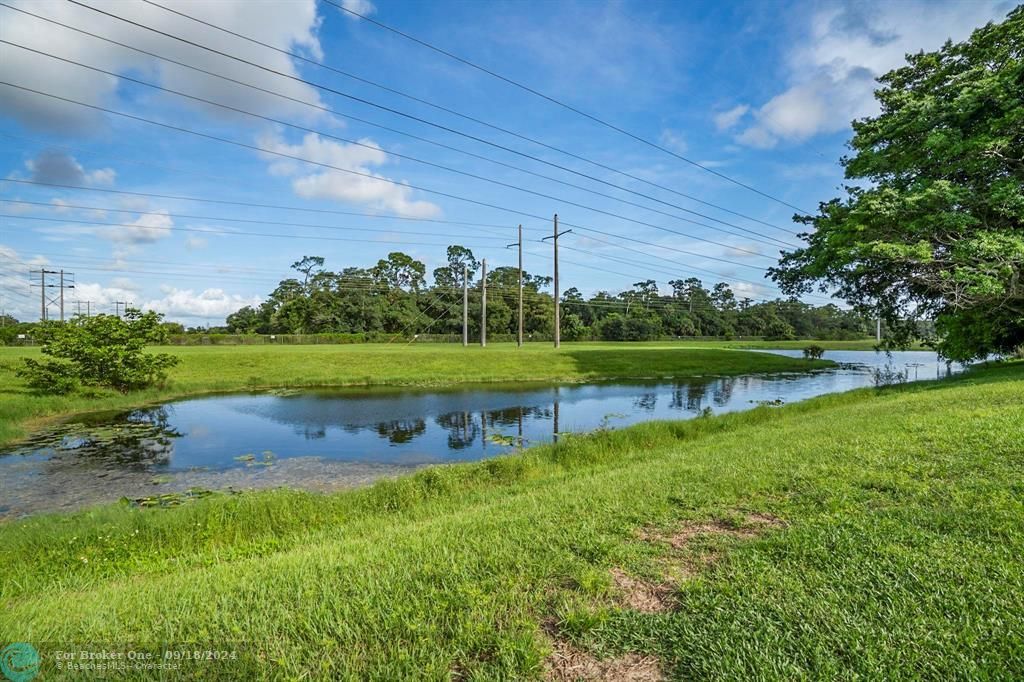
[393,297]
[935,230]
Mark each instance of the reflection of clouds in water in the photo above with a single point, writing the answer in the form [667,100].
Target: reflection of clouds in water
[399,428]
[200,431]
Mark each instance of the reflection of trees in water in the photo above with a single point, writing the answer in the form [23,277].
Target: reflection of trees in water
[401,430]
[461,427]
[464,428]
[141,438]
[646,402]
[722,391]
[312,432]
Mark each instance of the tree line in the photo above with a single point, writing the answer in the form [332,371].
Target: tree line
[393,297]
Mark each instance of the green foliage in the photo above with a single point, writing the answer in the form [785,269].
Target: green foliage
[938,229]
[813,352]
[392,297]
[104,351]
[900,541]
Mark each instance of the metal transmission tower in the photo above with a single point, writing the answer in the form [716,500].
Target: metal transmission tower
[558,317]
[64,280]
[117,307]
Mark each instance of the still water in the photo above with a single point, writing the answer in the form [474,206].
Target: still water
[327,440]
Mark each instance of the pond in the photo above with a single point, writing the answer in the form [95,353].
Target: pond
[328,440]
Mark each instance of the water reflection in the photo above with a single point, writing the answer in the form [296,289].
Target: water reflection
[356,435]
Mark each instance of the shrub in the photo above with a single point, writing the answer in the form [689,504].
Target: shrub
[104,350]
[813,352]
[888,376]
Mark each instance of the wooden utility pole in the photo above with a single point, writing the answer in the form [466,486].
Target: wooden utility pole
[558,318]
[117,307]
[465,305]
[878,330]
[62,295]
[519,337]
[483,302]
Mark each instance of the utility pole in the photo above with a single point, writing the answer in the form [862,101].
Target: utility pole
[878,330]
[44,299]
[558,318]
[78,307]
[42,295]
[465,306]
[483,302]
[117,307]
[519,338]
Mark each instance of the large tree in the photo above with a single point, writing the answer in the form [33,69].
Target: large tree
[935,228]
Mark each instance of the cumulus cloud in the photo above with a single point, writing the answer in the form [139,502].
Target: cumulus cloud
[209,303]
[102,297]
[286,25]
[364,7]
[832,72]
[727,119]
[146,229]
[376,192]
[195,243]
[53,166]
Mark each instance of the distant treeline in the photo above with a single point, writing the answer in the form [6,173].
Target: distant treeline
[366,305]
[392,297]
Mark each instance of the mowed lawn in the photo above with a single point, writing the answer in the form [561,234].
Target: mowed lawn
[233,368]
[868,535]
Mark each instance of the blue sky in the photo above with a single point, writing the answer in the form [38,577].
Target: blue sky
[762,92]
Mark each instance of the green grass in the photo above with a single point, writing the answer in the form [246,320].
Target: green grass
[899,557]
[234,368]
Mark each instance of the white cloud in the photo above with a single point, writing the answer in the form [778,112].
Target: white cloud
[101,298]
[364,7]
[286,25]
[56,167]
[376,192]
[146,229]
[674,140]
[832,71]
[209,303]
[728,119]
[195,243]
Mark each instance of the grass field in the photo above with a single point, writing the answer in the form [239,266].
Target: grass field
[233,368]
[868,535]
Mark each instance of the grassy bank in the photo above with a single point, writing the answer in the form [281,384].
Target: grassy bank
[864,535]
[233,368]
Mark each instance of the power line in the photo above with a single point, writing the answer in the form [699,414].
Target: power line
[337,168]
[246,220]
[414,159]
[553,100]
[175,197]
[370,215]
[277,272]
[395,111]
[411,135]
[175,228]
